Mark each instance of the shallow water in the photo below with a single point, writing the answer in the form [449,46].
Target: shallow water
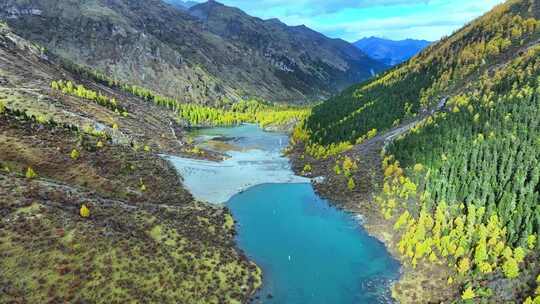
[247,136]
[309,251]
[256,159]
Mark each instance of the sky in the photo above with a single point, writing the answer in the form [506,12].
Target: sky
[355,19]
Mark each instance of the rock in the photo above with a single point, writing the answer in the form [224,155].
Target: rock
[318,180]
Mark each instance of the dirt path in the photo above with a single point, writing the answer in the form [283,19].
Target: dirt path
[383,140]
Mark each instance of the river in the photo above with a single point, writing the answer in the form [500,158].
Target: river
[309,251]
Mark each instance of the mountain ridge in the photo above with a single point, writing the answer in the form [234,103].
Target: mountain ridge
[155,45]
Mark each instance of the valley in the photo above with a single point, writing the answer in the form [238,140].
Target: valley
[185,152]
[324,246]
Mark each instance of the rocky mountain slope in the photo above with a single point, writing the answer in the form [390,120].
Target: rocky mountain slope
[209,54]
[139,232]
[391,52]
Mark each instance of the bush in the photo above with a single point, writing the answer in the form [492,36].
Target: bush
[351,184]
[511,268]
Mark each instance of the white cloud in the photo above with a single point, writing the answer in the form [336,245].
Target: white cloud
[434,18]
[429,25]
[315,7]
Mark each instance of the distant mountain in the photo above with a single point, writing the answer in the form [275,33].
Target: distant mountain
[391,52]
[208,54]
[303,59]
[182,4]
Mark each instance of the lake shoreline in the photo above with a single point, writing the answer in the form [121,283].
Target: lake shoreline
[269,162]
[423,282]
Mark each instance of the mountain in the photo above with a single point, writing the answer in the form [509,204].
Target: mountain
[442,70]
[391,52]
[209,54]
[442,153]
[182,4]
[68,141]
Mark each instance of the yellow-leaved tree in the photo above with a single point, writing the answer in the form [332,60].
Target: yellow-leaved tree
[75,154]
[30,173]
[84,211]
[468,294]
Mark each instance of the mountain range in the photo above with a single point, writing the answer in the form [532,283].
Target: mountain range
[391,52]
[209,53]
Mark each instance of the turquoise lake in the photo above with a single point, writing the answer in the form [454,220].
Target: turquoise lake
[309,251]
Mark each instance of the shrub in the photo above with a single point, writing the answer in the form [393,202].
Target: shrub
[531,241]
[307,168]
[372,133]
[519,254]
[511,268]
[142,185]
[464,265]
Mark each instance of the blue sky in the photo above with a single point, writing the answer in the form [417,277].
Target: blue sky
[354,19]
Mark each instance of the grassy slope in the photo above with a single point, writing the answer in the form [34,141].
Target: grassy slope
[26,79]
[151,243]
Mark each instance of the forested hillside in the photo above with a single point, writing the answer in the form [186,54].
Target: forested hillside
[464,187]
[280,116]
[419,84]
[461,187]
